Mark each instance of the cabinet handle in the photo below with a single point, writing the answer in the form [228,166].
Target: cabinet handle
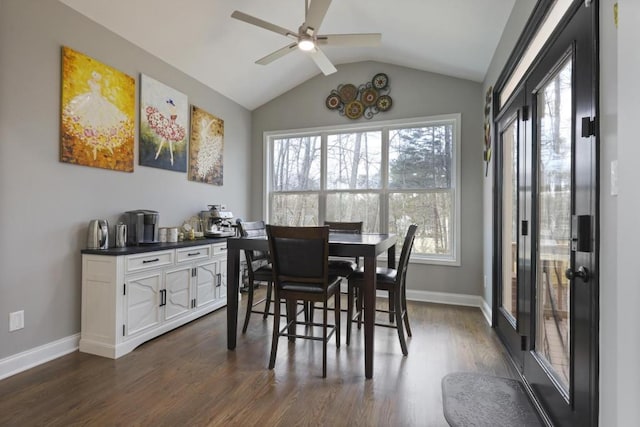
[219,280]
[223,249]
[150,260]
[163,297]
[193,254]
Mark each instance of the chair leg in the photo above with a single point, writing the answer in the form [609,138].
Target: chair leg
[398,315]
[324,339]
[336,313]
[392,299]
[249,307]
[405,312]
[267,302]
[350,297]
[359,313]
[276,329]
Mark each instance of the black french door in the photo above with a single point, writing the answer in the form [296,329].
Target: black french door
[547,224]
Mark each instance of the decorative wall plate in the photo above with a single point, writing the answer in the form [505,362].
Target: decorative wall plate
[380,81]
[333,101]
[384,103]
[369,97]
[354,110]
[348,92]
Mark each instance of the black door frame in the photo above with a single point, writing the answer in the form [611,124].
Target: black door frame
[533,23]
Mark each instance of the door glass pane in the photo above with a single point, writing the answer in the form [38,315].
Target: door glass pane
[554,143]
[354,160]
[509,140]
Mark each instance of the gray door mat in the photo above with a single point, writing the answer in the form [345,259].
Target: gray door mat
[474,400]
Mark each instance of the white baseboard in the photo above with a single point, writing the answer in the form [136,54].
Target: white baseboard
[452,299]
[36,356]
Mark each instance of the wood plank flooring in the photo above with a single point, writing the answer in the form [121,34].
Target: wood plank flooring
[187,377]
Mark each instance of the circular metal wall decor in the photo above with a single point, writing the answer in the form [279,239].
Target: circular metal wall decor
[365,100]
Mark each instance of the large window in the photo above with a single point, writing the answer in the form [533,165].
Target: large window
[388,175]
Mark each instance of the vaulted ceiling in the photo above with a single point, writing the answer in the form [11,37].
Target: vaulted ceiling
[199,37]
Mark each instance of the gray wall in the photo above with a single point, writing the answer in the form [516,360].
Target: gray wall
[415,94]
[517,20]
[45,205]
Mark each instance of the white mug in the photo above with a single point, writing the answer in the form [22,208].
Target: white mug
[163,235]
[172,235]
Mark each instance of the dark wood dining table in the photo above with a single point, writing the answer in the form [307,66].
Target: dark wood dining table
[366,246]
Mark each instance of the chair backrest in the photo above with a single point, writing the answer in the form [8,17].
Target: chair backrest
[406,253]
[344,227]
[299,254]
[253,229]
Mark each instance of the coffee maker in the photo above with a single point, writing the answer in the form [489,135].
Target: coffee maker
[142,227]
[217,221]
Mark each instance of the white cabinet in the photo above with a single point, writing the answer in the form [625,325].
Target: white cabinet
[131,298]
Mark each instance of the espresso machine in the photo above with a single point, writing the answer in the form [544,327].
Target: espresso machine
[216,222]
[142,227]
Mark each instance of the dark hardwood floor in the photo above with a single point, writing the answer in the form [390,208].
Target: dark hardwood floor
[188,377]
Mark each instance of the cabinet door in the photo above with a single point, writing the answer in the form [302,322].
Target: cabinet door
[177,292]
[206,281]
[142,302]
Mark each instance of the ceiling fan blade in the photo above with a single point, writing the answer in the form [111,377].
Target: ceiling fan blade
[365,39]
[277,54]
[263,24]
[322,62]
[315,14]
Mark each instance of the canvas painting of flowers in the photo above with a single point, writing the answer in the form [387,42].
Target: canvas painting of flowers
[164,116]
[205,147]
[97,113]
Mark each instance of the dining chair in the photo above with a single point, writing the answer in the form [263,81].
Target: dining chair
[300,258]
[343,266]
[394,282]
[259,269]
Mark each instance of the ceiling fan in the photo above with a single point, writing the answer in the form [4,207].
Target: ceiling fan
[307,38]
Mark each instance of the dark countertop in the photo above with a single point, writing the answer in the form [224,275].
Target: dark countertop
[153,247]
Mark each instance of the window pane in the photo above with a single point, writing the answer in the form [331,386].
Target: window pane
[421,157]
[296,164]
[294,209]
[353,160]
[351,207]
[432,212]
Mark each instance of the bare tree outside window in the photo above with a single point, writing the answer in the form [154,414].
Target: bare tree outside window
[389,178]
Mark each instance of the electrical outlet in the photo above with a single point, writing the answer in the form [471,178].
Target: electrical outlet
[485,283]
[16,320]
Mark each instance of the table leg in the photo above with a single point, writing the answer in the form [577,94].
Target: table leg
[369,298]
[233,283]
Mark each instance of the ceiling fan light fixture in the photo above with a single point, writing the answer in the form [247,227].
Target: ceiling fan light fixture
[306,45]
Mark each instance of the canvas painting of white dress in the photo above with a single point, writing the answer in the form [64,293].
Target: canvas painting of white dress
[164,120]
[205,147]
[98,113]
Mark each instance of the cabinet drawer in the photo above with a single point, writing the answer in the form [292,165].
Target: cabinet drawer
[219,249]
[148,260]
[193,253]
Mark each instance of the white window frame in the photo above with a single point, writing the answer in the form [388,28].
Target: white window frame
[384,127]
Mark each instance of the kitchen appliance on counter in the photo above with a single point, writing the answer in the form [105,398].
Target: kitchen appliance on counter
[142,227]
[217,222]
[98,234]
